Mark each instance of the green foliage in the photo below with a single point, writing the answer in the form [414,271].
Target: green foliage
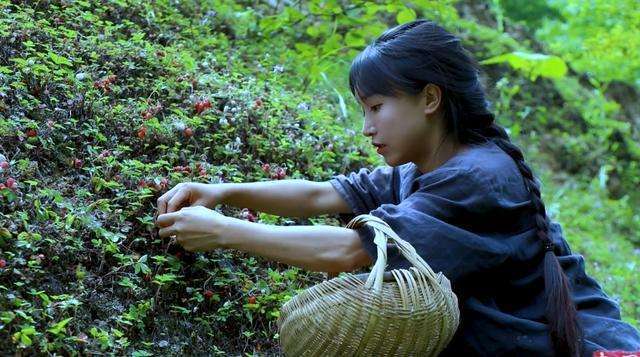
[109,88]
[532,64]
[598,37]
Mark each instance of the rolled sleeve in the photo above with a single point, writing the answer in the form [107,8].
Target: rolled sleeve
[365,190]
[429,219]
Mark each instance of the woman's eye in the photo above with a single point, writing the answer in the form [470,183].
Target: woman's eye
[376,107]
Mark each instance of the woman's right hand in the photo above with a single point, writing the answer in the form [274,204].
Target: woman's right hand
[187,194]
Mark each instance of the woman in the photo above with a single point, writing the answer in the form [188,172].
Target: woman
[456,188]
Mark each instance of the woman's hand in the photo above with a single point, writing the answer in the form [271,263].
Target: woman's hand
[190,194]
[196,228]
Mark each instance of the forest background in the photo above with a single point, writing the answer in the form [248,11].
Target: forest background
[104,106]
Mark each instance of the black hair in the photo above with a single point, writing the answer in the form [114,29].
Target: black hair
[403,60]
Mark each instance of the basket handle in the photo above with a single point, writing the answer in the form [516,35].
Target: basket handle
[382,232]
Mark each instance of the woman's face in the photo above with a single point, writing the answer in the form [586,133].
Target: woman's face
[401,125]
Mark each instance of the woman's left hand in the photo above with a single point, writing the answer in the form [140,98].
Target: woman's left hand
[196,228]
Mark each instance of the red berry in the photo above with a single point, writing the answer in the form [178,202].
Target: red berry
[164,183]
[142,183]
[208,294]
[146,115]
[252,299]
[4,165]
[2,186]
[206,104]
[77,163]
[199,108]
[257,103]
[281,173]
[266,168]
[188,132]
[31,133]
[11,183]
[147,277]
[3,263]
[142,132]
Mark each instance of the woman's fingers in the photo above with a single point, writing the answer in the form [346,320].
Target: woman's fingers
[177,200]
[163,201]
[167,231]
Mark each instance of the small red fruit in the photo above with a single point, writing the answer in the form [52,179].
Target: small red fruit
[2,186]
[252,299]
[3,263]
[11,183]
[146,115]
[257,103]
[188,132]
[31,133]
[208,294]
[266,168]
[142,132]
[164,183]
[147,277]
[281,173]
[4,165]
[77,163]
[179,255]
[199,108]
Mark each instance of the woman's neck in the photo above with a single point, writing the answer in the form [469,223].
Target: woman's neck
[443,152]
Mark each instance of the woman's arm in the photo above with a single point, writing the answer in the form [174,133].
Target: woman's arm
[316,248]
[289,198]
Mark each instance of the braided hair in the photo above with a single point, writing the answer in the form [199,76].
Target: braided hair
[403,60]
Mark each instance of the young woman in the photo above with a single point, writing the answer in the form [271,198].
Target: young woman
[461,193]
[456,188]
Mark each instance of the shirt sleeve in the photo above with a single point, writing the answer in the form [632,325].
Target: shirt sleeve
[365,190]
[440,221]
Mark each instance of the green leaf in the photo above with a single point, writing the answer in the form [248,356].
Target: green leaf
[406,15]
[59,327]
[59,59]
[534,64]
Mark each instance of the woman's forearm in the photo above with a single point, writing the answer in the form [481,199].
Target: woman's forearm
[316,248]
[288,198]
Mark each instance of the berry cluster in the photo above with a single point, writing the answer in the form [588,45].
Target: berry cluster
[151,111]
[77,163]
[278,174]
[201,106]
[105,83]
[104,154]
[32,133]
[248,214]
[142,132]
[160,185]
[10,183]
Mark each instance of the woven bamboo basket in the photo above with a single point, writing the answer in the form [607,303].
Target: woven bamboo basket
[403,312]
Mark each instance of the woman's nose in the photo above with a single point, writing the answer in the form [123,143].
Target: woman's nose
[367,129]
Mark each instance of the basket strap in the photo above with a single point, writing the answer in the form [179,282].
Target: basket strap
[382,232]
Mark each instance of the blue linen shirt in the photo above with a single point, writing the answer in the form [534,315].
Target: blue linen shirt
[472,219]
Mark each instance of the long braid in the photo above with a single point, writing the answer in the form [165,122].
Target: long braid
[561,314]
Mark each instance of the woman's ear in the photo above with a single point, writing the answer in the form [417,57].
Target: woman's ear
[433,96]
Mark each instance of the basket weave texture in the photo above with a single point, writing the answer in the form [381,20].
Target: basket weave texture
[413,312]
